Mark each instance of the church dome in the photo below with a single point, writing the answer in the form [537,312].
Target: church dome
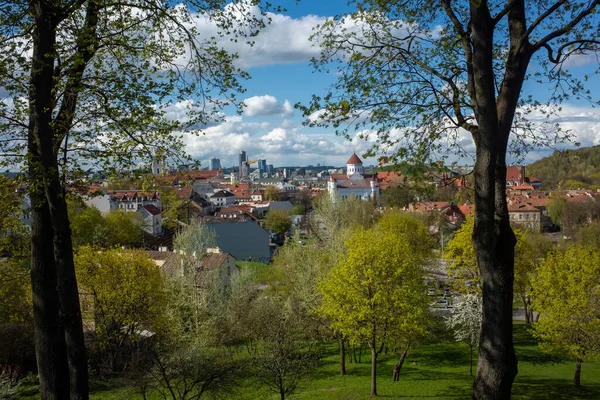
[354,160]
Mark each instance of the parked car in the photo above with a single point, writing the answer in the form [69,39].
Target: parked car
[431,292]
[447,292]
[443,303]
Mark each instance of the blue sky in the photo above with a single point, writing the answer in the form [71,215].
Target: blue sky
[270,128]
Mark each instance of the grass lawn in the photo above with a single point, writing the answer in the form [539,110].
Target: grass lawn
[434,371]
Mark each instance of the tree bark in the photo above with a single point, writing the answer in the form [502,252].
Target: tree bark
[577,377]
[58,248]
[493,238]
[373,346]
[342,357]
[398,366]
[49,343]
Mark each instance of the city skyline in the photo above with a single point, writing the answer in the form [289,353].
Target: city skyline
[269,127]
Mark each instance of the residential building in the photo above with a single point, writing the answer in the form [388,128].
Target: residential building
[525,216]
[222,198]
[152,217]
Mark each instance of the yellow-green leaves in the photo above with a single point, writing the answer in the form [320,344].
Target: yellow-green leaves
[121,291]
[568,298]
[375,291]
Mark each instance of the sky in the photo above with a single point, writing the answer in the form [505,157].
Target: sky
[271,128]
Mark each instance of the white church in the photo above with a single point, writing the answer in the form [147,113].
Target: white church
[354,184]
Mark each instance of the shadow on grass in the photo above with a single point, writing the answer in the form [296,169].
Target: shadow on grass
[537,357]
[553,389]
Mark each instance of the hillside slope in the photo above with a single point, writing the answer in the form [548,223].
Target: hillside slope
[568,169]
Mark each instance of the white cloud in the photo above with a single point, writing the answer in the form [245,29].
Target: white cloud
[266,105]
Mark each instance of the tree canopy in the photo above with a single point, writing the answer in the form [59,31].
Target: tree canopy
[418,78]
[374,294]
[568,295]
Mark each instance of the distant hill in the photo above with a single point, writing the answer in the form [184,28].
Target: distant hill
[568,169]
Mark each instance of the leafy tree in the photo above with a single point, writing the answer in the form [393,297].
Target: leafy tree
[531,250]
[278,221]
[465,322]
[271,193]
[117,228]
[555,207]
[122,293]
[374,294]
[280,359]
[173,208]
[298,209]
[87,85]
[463,269]
[589,235]
[418,73]
[191,372]
[568,295]
[15,295]
[398,196]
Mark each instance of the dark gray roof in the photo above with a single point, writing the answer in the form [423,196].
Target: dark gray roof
[242,240]
[222,193]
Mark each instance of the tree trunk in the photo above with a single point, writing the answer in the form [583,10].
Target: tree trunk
[493,238]
[398,366]
[526,310]
[342,357]
[471,359]
[47,176]
[577,378]
[373,346]
[49,339]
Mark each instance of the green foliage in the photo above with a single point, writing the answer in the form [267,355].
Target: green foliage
[374,294]
[271,193]
[116,228]
[568,287]
[569,169]
[556,207]
[14,235]
[298,209]
[15,292]
[398,196]
[589,235]
[278,221]
[121,294]
[172,211]
[464,263]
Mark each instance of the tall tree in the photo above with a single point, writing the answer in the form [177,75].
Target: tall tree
[86,85]
[568,287]
[419,74]
[374,294]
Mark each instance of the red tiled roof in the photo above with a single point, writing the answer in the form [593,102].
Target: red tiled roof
[152,209]
[517,207]
[514,173]
[354,160]
[184,193]
[212,261]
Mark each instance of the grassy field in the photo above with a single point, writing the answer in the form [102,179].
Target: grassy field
[434,371]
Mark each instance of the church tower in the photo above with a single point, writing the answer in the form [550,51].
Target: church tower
[354,166]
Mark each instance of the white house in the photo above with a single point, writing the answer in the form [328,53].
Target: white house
[223,198]
[152,219]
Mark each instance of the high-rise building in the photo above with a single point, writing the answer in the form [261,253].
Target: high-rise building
[242,163]
[214,164]
[262,167]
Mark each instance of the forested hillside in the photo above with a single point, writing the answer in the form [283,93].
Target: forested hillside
[568,169]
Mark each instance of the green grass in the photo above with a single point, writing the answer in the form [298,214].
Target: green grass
[433,371]
[261,271]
